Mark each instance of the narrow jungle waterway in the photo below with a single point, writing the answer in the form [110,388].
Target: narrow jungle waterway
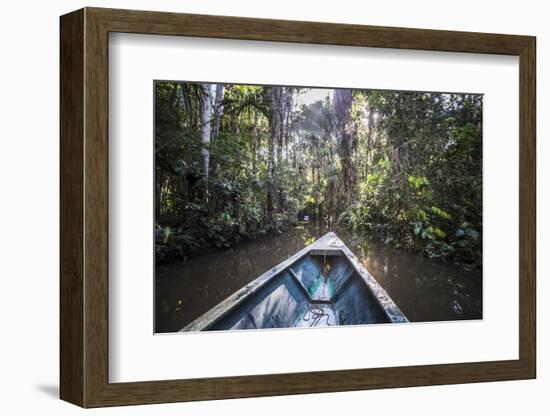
[425,290]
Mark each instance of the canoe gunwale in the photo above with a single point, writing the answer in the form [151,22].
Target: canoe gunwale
[219,311]
[390,309]
[327,245]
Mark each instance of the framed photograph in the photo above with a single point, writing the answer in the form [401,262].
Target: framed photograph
[256,207]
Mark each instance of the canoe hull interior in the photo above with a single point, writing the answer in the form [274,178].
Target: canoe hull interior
[316,290]
[323,284]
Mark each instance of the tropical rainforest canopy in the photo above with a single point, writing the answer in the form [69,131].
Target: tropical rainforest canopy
[235,162]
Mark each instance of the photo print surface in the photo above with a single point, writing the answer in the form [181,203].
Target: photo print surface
[304,207]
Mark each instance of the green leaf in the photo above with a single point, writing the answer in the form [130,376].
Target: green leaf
[441,213]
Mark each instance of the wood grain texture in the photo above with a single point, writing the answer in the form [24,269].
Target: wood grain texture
[96,209]
[225,27]
[527,208]
[84,206]
[71,213]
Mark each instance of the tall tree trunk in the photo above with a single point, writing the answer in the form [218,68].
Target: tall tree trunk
[370,138]
[285,109]
[218,110]
[206,114]
[319,203]
[175,105]
[287,131]
[343,100]
[279,114]
[255,145]
[275,130]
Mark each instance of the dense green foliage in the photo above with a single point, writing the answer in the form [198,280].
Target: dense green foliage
[236,162]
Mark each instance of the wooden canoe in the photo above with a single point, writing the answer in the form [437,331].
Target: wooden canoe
[322,285]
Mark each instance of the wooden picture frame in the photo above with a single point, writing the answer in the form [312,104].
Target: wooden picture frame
[84,207]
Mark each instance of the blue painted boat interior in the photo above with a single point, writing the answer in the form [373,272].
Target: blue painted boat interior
[316,290]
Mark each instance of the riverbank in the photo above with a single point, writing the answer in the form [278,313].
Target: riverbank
[426,290]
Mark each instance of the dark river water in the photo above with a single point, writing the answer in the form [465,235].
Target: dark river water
[425,290]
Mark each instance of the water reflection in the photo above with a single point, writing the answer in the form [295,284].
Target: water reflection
[424,290]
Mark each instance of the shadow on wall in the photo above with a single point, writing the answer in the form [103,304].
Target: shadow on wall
[49,390]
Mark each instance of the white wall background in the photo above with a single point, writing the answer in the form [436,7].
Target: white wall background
[29,120]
